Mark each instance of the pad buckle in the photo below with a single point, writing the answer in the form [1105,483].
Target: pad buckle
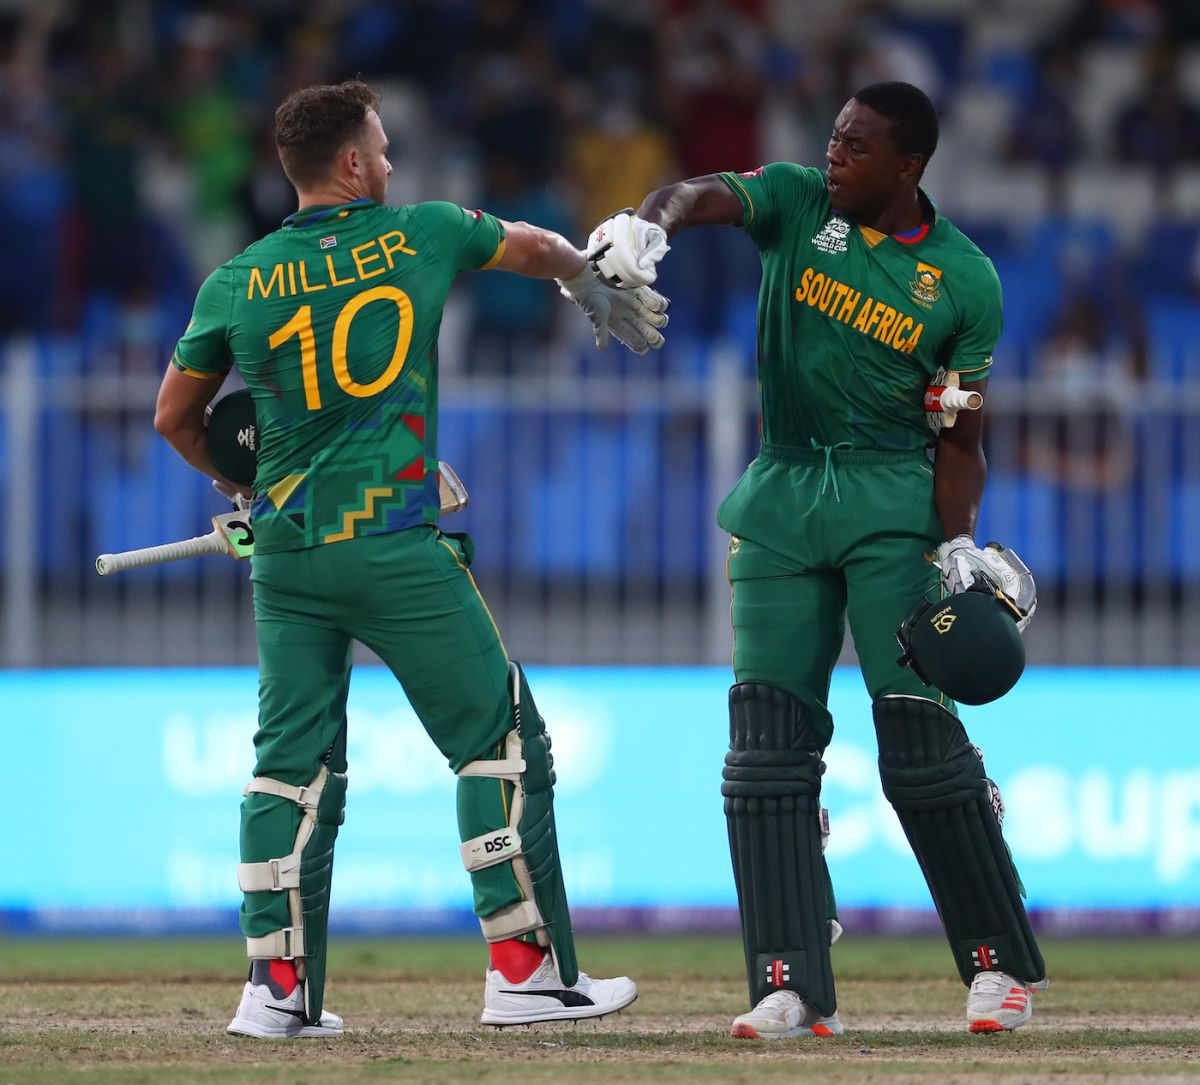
[288,940]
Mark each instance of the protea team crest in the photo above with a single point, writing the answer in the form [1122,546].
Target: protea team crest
[926,286]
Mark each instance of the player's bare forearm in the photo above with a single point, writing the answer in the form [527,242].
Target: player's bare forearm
[960,471]
[538,253]
[700,201]
[179,418]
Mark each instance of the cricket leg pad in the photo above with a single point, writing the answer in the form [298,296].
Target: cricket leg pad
[305,875]
[529,841]
[772,786]
[935,781]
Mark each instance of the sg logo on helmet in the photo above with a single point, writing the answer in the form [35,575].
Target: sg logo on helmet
[943,620]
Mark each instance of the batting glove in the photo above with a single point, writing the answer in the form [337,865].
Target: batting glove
[632,317]
[962,563]
[624,250]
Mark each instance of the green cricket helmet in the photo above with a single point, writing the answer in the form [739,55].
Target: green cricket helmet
[967,645]
[232,436]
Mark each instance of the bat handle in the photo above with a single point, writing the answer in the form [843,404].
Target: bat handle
[951,398]
[212,543]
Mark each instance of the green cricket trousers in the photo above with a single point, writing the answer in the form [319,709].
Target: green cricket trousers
[820,535]
[410,598]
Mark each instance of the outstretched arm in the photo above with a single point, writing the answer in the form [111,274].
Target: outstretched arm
[538,253]
[625,248]
[701,201]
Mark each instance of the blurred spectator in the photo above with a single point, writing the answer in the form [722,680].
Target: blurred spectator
[33,183]
[1044,129]
[514,93]
[877,44]
[1122,21]
[268,197]
[1087,374]
[715,93]
[211,131]
[1160,127]
[616,155]
[110,123]
[514,317]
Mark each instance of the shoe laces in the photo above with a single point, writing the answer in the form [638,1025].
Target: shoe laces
[781,1000]
[994,983]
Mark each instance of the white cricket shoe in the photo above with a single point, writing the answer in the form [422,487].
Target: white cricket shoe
[998,1002]
[263,1015]
[783,1015]
[542,997]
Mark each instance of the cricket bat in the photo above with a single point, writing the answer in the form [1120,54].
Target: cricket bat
[232,534]
[944,399]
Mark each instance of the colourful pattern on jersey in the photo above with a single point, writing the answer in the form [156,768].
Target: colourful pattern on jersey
[853,323]
[332,322]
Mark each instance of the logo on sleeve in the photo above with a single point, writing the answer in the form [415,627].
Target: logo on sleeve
[476,215]
[753,173]
[833,235]
[927,285]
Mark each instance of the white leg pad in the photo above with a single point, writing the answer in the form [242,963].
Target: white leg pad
[283,874]
[505,846]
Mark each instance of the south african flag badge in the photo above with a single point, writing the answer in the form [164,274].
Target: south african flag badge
[328,242]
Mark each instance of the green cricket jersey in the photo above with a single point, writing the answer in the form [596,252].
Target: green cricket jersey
[852,323]
[333,322]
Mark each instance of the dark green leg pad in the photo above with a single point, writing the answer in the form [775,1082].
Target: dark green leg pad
[772,785]
[316,876]
[934,779]
[539,841]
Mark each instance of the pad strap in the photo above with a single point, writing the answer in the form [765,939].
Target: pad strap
[307,796]
[518,918]
[286,943]
[491,849]
[271,876]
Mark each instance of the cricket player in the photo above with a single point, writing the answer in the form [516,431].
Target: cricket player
[867,294]
[333,321]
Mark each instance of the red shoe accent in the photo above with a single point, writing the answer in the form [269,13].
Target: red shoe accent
[284,974]
[987,1026]
[744,1032]
[516,961]
[822,1030]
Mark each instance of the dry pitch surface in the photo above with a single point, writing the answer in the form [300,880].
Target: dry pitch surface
[133,1012]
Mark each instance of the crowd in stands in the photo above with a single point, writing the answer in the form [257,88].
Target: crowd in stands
[136,149]
[136,136]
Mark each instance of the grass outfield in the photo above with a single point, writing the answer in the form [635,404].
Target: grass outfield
[135,1012]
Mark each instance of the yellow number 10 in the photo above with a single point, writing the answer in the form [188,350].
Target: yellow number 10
[301,326]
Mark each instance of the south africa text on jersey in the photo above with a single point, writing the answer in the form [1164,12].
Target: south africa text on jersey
[295,276]
[840,301]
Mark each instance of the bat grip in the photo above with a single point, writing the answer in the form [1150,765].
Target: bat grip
[212,543]
[951,398]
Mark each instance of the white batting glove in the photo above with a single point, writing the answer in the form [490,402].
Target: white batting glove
[624,250]
[960,560]
[632,317]
[962,563]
